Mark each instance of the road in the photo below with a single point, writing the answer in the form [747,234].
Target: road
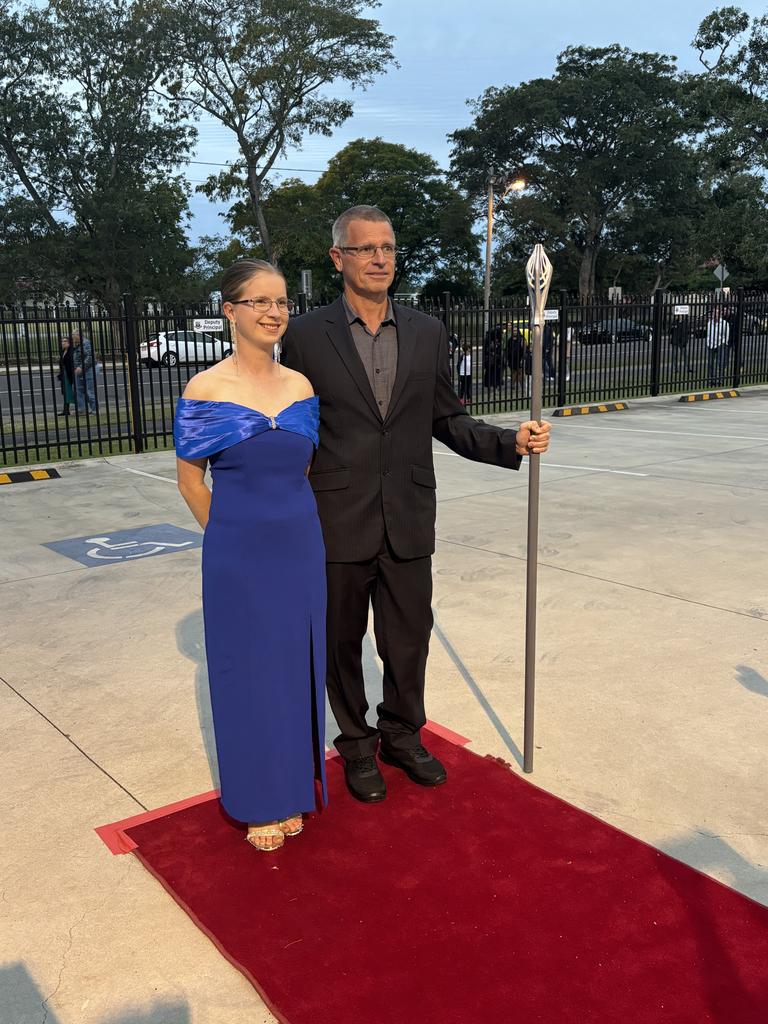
[33,390]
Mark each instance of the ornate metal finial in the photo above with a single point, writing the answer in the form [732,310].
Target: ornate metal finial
[539,276]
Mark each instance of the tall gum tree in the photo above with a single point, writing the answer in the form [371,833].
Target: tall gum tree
[729,98]
[258,68]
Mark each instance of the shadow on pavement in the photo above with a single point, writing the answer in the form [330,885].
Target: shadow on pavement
[22,1002]
[191,643]
[482,700]
[751,680]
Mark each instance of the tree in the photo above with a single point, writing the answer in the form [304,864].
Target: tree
[460,281]
[606,129]
[730,97]
[299,219]
[653,242]
[734,229]
[433,222]
[89,146]
[258,68]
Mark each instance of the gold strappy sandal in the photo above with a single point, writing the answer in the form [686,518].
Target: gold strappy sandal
[270,831]
[291,826]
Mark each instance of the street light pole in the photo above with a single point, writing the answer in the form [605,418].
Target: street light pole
[488,245]
[512,185]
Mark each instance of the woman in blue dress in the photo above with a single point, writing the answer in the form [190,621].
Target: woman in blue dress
[254,422]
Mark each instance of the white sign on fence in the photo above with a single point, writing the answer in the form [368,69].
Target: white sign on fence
[551,314]
[682,310]
[212,324]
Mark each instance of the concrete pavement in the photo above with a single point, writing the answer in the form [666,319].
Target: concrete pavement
[652,689]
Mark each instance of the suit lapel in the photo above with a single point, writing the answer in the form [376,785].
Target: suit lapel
[341,339]
[406,346]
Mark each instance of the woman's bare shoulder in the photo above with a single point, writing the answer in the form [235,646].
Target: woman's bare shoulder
[205,386]
[298,383]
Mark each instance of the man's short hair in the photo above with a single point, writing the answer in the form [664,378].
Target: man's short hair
[372,213]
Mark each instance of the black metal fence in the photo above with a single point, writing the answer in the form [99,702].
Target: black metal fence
[135,362]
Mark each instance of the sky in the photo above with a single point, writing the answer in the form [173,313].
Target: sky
[450,51]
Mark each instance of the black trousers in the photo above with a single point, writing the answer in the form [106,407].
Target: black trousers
[401,593]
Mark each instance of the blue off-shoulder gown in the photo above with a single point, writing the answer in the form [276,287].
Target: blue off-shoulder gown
[264,601]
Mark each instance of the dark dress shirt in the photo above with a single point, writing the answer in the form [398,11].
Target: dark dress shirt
[378,352]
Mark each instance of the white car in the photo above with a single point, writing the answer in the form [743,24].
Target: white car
[167,348]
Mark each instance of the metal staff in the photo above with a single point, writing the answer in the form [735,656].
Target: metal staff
[539,275]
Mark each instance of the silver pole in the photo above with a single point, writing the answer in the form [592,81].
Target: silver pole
[488,242]
[539,276]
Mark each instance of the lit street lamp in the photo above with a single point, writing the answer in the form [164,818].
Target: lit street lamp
[510,185]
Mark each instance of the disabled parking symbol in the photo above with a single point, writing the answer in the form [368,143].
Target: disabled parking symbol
[127,545]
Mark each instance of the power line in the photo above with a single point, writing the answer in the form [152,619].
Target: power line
[211,163]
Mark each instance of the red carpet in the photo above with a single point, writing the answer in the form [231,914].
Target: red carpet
[485,901]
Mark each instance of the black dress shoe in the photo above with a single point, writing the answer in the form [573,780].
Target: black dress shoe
[418,764]
[364,780]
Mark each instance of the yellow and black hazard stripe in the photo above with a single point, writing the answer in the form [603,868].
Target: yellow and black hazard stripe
[584,410]
[27,475]
[706,396]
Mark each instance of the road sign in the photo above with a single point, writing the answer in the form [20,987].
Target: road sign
[682,310]
[721,272]
[211,324]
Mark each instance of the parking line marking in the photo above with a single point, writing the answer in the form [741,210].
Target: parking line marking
[593,469]
[675,433]
[141,472]
[557,465]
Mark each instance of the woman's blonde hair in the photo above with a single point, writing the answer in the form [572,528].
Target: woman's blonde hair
[234,277]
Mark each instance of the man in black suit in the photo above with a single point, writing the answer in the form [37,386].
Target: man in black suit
[382,373]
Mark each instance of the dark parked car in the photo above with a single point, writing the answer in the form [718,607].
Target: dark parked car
[614,329]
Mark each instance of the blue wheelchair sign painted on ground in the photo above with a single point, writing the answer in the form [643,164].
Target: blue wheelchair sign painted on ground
[102,548]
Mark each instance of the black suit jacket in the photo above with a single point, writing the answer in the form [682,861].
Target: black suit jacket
[372,474]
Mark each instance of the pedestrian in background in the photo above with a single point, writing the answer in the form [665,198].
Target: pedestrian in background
[515,353]
[547,346]
[85,373]
[717,339]
[66,375]
[465,373]
[492,357]
[679,337]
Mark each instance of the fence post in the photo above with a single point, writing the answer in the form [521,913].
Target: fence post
[134,405]
[562,347]
[738,328]
[447,311]
[302,302]
[447,322]
[658,323]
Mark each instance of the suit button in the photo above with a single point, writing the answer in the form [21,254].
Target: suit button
[386,472]
[385,433]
